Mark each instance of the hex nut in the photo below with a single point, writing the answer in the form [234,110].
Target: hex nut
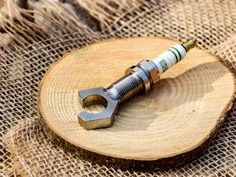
[150,68]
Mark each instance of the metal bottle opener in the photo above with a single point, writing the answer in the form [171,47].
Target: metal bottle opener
[138,79]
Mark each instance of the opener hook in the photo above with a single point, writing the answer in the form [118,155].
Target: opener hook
[97,120]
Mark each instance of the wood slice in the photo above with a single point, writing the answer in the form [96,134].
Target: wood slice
[170,124]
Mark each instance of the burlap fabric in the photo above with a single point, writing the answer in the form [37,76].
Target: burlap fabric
[43,34]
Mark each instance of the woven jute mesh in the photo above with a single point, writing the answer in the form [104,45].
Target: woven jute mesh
[42,34]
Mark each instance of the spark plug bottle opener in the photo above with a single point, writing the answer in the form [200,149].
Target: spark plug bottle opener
[138,79]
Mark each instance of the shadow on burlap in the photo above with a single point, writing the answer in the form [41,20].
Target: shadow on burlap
[37,44]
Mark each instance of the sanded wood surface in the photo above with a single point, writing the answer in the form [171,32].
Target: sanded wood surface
[179,115]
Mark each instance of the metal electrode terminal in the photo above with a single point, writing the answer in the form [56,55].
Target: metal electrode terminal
[138,79]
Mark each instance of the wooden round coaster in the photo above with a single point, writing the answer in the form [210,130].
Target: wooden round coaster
[178,116]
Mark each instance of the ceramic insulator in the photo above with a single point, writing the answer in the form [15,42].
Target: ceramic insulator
[170,57]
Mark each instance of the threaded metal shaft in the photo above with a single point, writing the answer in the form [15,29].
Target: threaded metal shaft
[126,87]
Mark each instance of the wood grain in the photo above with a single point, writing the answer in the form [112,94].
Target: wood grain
[178,116]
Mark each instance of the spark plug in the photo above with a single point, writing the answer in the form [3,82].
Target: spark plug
[137,79]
